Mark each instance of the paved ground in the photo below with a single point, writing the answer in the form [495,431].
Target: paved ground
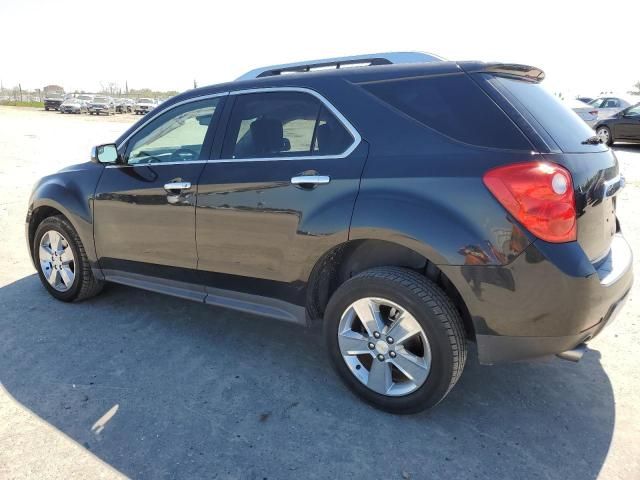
[140,385]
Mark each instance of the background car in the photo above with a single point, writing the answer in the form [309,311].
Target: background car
[73,105]
[585,111]
[609,106]
[85,97]
[52,101]
[623,126]
[123,105]
[102,104]
[144,105]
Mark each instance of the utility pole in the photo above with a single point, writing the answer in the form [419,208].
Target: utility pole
[195,84]
[20,88]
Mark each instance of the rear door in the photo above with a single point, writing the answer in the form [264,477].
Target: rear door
[280,195]
[145,209]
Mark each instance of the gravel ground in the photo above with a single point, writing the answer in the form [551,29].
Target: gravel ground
[140,385]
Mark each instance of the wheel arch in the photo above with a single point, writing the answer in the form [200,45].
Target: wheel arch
[352,257]
[53,197]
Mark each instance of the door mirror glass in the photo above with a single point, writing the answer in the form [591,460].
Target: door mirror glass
[104,153]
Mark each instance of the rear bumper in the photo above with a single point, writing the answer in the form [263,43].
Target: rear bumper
[549,300]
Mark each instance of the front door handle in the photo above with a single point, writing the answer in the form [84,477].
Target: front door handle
[173,186]
[304,180]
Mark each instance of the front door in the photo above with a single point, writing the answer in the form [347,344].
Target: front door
[628,126]
[280,196]
[145,208]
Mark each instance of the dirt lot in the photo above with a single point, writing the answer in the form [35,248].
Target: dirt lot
[140,385]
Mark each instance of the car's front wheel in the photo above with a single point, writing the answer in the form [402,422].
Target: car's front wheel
[62,262]
[395,338]
[604,134]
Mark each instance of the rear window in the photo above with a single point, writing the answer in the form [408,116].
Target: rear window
[562,124]
[454,106]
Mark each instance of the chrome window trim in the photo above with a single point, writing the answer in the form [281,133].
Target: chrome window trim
[357,139]
[341,118]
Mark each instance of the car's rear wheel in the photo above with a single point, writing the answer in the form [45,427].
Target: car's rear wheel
[604,134]
[62,262]
[395,338]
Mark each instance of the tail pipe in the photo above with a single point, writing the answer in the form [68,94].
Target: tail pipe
[575,354]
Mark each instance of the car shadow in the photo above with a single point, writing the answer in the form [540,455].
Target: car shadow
[162,387]
[626,147]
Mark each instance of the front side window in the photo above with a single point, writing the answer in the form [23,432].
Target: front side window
[283,124]
[175,136]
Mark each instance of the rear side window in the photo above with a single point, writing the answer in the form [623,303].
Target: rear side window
[454,106]
[563,125]
[283,124]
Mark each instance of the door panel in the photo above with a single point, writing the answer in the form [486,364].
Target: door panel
[252,222]
[138,221]
[628,126]
[145,208]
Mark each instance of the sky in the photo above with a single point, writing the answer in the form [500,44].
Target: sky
[166,45]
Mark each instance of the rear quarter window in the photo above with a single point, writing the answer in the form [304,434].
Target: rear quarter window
[453,105]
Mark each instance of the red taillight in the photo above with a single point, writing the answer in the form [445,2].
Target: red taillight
[539,195]
[594,113]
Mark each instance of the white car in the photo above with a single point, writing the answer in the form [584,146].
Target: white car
[144,105]
[586,112]
[608,106]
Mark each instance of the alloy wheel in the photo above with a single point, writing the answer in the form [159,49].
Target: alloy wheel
[384,346]
[603,134]
[57,261]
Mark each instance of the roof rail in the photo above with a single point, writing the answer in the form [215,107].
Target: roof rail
[338,62]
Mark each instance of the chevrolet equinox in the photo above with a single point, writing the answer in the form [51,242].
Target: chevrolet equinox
[408,203]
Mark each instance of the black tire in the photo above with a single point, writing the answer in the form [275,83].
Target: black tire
[437,316]
[85,285]
[609,140]
[46,109]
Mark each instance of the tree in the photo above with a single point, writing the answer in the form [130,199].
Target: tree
[636,86]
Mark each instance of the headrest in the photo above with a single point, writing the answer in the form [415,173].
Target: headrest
[267,135]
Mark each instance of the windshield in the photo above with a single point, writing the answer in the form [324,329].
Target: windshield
[84,97]
[145,100]
[54,95]
[596,102]
[101,99]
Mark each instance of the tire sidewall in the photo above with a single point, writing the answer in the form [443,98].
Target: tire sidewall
[609,142]
[57,225]
[439,380]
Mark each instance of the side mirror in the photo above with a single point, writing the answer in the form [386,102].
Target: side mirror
[105,154]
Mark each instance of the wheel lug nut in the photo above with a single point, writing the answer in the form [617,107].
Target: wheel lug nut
[380,357]
[376,334]
[392,354]
[371,346]
[389,340]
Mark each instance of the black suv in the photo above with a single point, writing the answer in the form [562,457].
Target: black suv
[409,204]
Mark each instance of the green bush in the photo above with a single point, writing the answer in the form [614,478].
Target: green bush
[13,103]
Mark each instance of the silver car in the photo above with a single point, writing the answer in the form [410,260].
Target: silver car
[585,111]
[608,106]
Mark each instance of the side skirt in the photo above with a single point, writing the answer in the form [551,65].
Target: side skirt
[243,302]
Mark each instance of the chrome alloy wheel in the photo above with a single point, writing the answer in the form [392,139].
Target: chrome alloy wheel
[384,346]
[56,261]
[603,135]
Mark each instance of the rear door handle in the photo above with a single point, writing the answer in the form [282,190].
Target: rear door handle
[177,186]
[310,180]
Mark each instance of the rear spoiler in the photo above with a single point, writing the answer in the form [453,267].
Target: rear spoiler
[510,70]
